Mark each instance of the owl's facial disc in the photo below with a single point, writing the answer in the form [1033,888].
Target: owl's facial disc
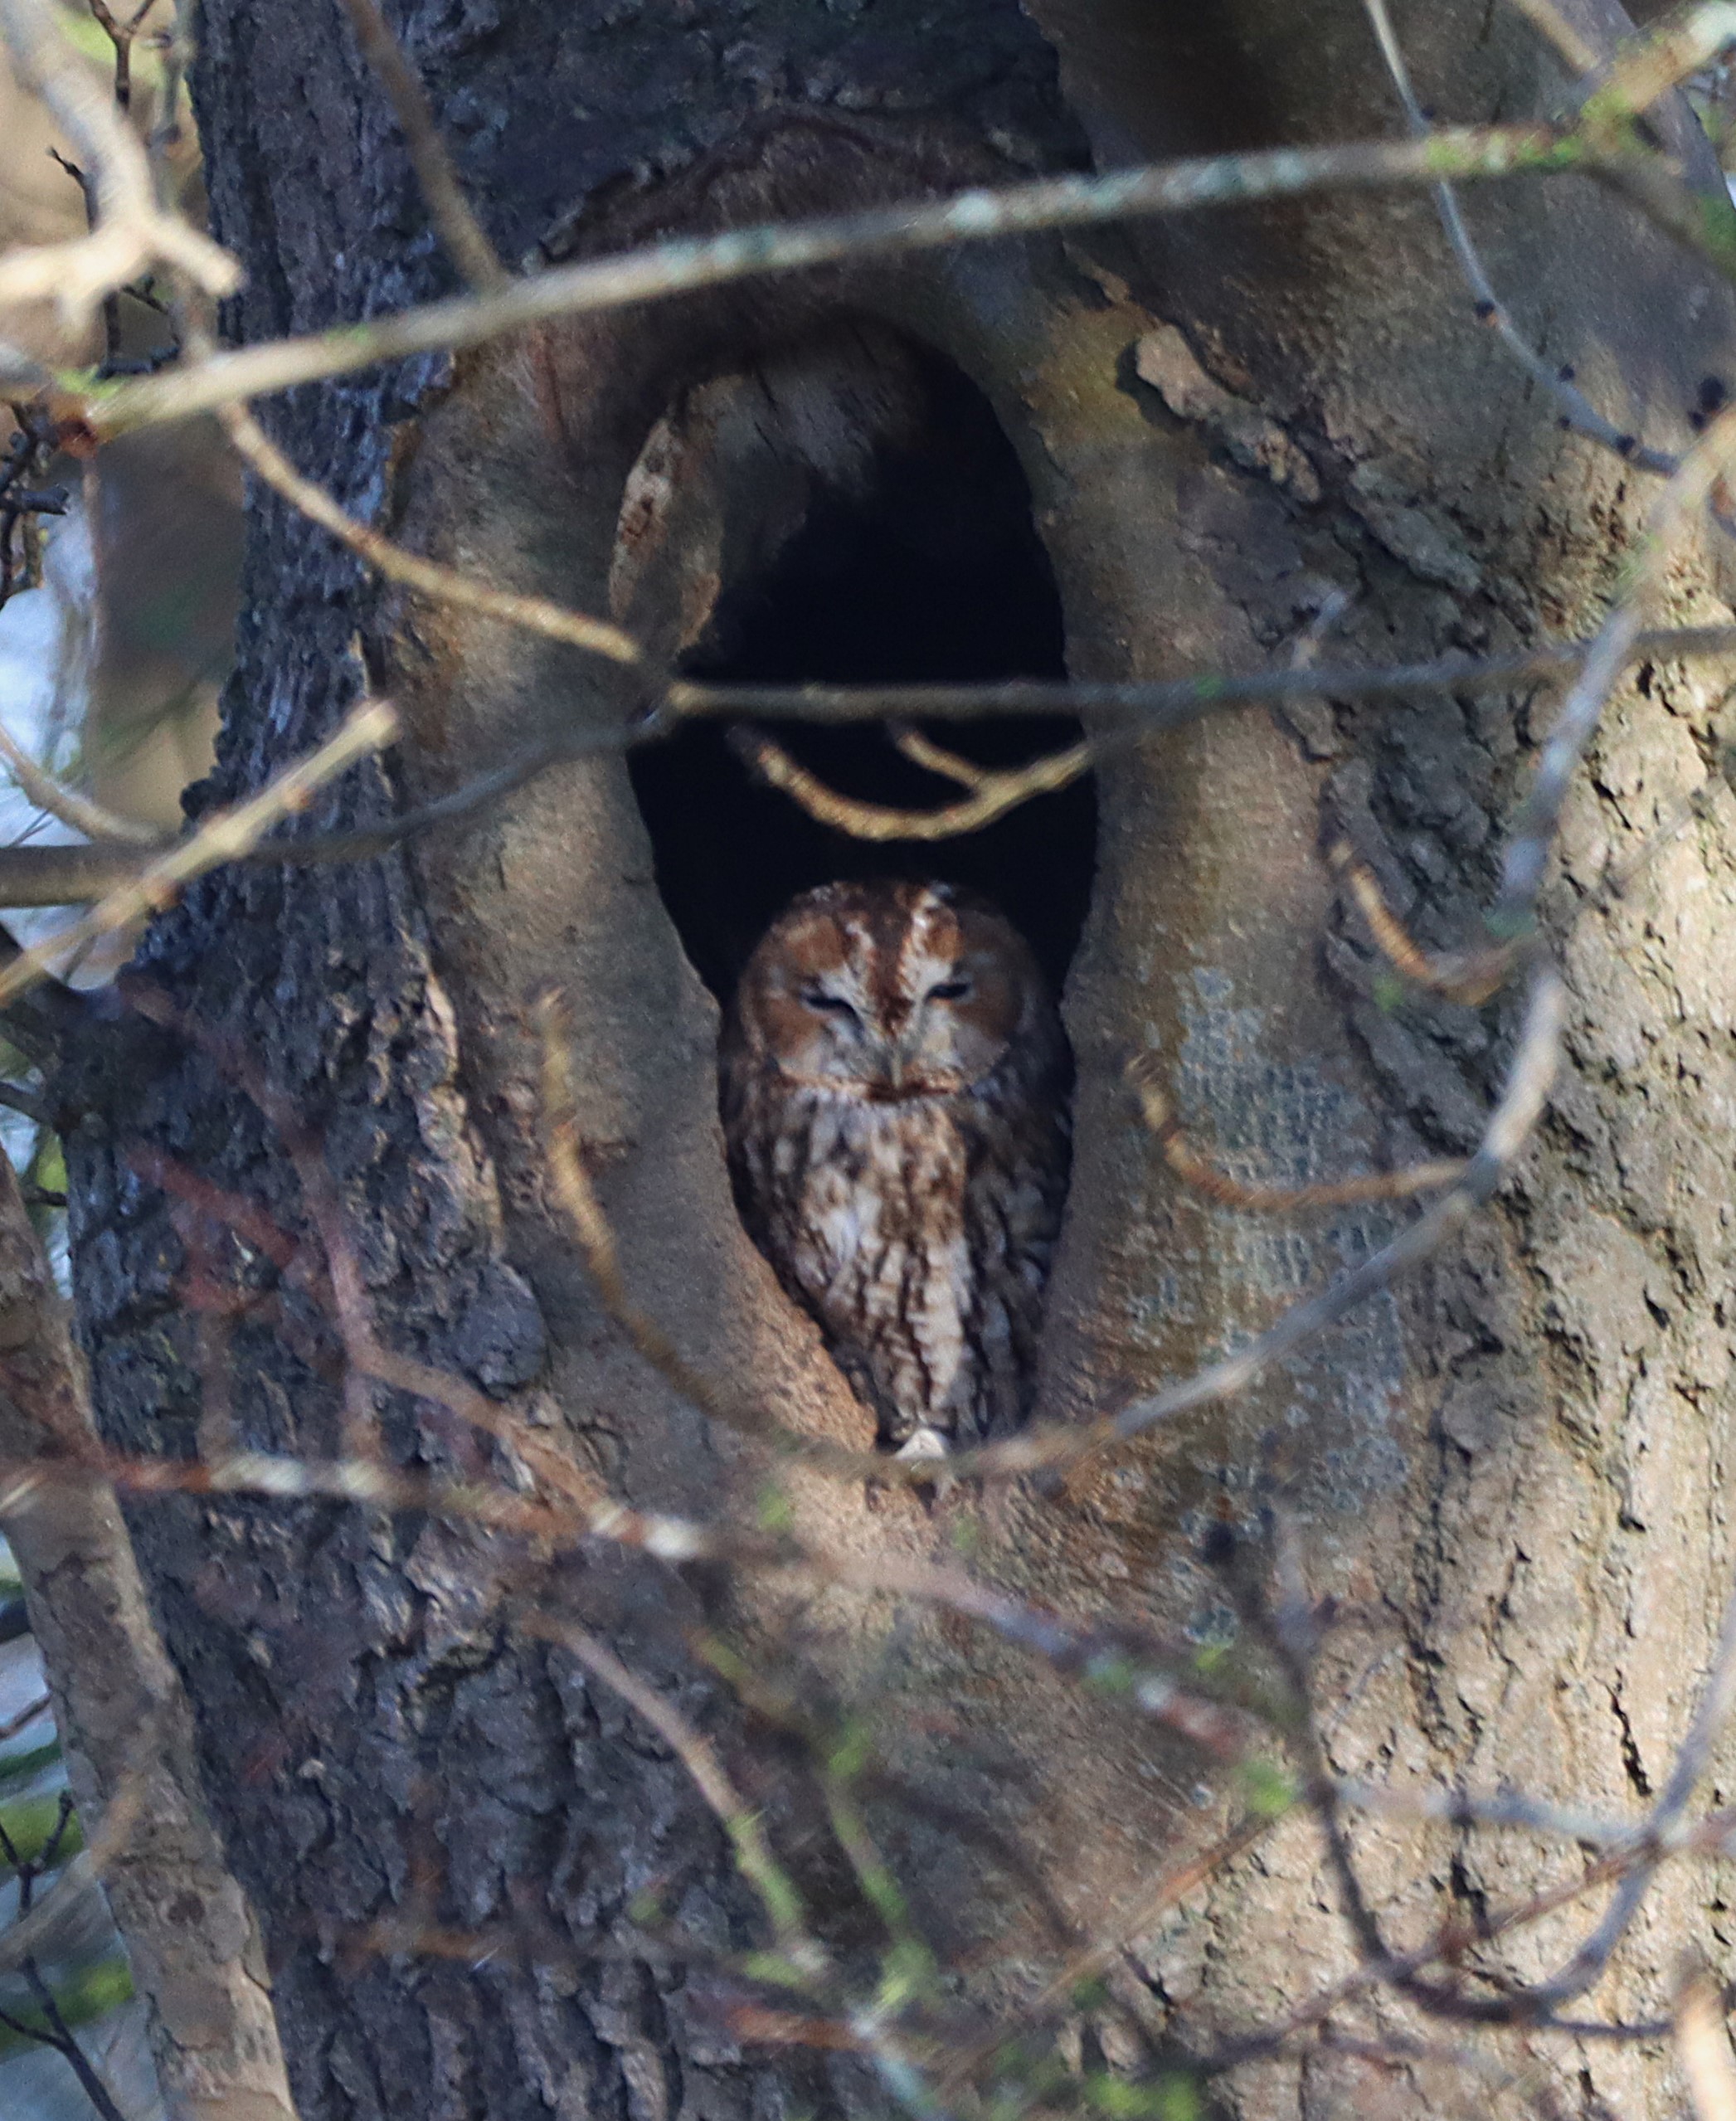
[887,993]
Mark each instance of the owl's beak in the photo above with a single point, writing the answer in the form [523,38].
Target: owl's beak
[890,1079]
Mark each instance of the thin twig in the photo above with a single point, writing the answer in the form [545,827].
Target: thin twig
[684,264]
[16,1099]
[1578,412]
[133,233]
[777,1894]
[1534,831]
[367,729]
[51,794]
[537,613]
[69,875]
[577,1199]
[1168,703]
[61,2037]
[121,35]
[1693,1756]
[1059,1444]
[1650,65]
[1547,19]
[1199,1173]
[1088,1965]
[458,227]
[1470,976]
[34,1932]
[1473,975]
[27,1715]
[343,1291]
[996,793]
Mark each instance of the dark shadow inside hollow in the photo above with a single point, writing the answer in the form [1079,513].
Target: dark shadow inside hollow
[931,572]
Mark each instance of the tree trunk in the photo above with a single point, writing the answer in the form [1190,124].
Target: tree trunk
[1507,1474]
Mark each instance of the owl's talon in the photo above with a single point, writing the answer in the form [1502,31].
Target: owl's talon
[924,1443]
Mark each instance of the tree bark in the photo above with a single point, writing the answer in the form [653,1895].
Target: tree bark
[1508,1475]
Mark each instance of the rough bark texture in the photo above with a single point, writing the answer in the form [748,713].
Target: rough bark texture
[1511,1474]
[198,1959]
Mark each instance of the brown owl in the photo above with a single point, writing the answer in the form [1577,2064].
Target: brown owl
[895,1084]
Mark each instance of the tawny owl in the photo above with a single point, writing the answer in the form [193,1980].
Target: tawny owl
[895,1087]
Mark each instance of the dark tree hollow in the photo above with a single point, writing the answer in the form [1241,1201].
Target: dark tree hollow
[933,573]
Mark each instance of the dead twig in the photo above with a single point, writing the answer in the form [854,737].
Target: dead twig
[684,264]
[1577,411]
[367,729]
[448,208]
[133,231]
[1547,19]
[1197,1171]
[536,614]
[1470,976]
[52,794]
[995,792]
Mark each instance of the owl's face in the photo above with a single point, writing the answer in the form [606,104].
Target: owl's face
[886,991]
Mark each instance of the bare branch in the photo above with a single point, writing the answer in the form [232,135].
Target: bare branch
[1171,703]
[133,233]
[70,875]
[534,613]
[367,729]
[458,229]
[57,876]
[1196,1171]
[996,792]
[680,265]
[1578,412]
[1649,66]
[50,794]
[1547,19]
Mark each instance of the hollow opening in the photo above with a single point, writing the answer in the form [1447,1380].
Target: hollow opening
[908,555]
